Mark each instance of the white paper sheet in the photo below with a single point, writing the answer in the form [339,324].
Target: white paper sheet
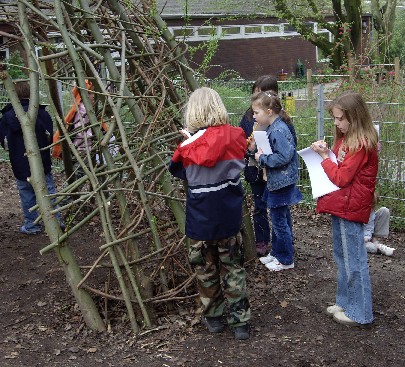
[320,183]
[262,141]
[185,133]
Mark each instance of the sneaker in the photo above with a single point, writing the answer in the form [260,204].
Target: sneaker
[276,265]
[267,259]
[261,248]
[341,318]
[385,250]
[32,230]
[371,247]
[331,310]
[214,324]
[242,332]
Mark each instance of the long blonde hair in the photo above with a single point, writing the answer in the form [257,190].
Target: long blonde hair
[361,132]
[205,108]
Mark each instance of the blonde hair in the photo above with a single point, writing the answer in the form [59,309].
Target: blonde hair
[205,108]
[361,132]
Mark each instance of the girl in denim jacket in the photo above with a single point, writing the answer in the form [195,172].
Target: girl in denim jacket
[254,175]
[281,174]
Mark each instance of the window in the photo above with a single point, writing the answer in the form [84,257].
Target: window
[320,55]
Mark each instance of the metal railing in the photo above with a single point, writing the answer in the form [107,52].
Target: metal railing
[311,122]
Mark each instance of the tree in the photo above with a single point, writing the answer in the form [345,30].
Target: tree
[346,29]
[396,46]
[383,19]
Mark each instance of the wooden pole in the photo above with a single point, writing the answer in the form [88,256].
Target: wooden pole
[310,85]
[397,70]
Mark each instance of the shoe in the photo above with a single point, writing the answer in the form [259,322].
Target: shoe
[242,332]
[267,259]
[331,310]
[261,248]
[276,265]
[214,324]
[32,230]
[341,318]
[371,247]
[385,250]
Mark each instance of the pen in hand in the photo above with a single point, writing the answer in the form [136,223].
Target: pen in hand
[321,145]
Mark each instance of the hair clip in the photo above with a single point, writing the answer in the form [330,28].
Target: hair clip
[270,94]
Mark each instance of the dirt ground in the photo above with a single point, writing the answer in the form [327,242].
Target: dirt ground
[41,325]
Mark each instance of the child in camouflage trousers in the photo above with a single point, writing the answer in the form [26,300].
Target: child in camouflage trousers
[211,161]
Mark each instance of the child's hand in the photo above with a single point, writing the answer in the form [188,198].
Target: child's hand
[321,147]
[251,144]
[258,154]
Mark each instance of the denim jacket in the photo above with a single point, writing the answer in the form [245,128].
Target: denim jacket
[282,165]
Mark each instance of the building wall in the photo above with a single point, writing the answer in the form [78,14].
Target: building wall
[251,58]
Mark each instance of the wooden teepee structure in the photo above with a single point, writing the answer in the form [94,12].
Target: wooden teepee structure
[141,80]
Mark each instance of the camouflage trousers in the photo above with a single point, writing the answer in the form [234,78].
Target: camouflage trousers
[221,276]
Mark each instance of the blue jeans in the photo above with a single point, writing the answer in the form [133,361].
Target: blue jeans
[353,291]
[28,200]
[282,247]
[260,215]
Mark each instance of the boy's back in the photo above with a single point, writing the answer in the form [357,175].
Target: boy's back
[211,162]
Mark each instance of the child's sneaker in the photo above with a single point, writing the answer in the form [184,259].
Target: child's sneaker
[276,265]
[242,332]
[341,318]
[31,230]
[214,324]
[267,259]
[385,250]
[371,247]
[331,310]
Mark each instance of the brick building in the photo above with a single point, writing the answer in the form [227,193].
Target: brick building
[249,45]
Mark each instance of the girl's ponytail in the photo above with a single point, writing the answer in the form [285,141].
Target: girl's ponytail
[284,116]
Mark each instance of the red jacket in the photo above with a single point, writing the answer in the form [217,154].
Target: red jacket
[211,162]
[356,175]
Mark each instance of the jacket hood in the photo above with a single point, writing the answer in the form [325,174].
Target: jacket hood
[209,146]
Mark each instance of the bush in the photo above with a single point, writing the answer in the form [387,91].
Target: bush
[15,66]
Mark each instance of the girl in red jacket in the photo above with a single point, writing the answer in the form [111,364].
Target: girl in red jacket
[355,146]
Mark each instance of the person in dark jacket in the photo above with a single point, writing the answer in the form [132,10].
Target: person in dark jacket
[253,174]
[211,161]
[11,139]
[355,146]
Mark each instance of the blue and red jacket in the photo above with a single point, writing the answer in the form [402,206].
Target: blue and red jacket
[211,162]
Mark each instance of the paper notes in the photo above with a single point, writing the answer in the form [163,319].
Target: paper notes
[262,142]
[320,183]
[185,133]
